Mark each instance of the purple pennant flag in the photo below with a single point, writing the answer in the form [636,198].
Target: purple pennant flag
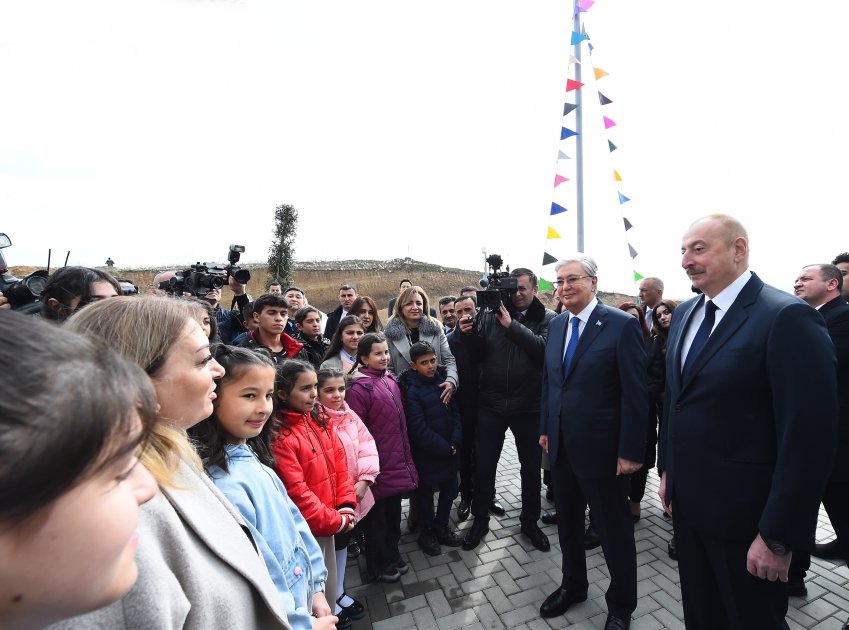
[603,99]
[565,132]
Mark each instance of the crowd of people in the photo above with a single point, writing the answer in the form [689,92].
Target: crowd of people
[217,467]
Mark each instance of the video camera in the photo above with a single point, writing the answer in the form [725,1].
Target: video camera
[499,286]
[23,294]
[201,278]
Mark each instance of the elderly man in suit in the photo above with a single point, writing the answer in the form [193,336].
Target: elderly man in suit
[593,426]
[749,432]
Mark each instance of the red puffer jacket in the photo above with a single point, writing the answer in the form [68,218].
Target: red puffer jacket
[311,462]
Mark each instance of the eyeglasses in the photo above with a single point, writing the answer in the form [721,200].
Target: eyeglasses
[570,280]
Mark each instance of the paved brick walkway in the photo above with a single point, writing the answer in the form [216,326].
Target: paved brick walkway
[502,583]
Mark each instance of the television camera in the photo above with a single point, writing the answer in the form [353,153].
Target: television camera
[23,293]
[201,278]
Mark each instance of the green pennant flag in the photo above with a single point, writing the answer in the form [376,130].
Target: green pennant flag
[545,285]
[638,276]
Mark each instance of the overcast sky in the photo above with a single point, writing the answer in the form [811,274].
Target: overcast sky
[160,131]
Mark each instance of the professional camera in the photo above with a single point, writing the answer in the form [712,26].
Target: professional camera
[499,286]
[23,294]
[201,278]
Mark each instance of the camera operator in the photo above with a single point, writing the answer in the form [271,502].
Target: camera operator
[510,350]
[229,322]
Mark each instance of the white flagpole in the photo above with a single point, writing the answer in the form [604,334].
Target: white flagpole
[579,128]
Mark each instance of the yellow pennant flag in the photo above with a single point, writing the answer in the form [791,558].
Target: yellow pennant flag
[599,73]
[552,233]
[616,175]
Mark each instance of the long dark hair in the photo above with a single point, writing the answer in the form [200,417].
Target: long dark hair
[359,304]
[288,374]
[364,348]
[657,329]
[68,409]
[68,283]
[644,327]
[335,346]
[208,435]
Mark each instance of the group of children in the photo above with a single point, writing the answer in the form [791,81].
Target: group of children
[304,467]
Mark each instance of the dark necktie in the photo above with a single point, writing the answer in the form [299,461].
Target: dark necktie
[573,344]
[702,335]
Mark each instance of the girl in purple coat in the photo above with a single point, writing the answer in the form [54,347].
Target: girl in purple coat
[375,397]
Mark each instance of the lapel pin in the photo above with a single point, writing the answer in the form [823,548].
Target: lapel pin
[598,323]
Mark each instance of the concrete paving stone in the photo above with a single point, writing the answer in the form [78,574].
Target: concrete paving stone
[645,571]
[377,607]
[806,621]
[424,619]
[485,569]
[646,622]
[531,597]
[838,601]
[670,572]
[669,619]
[506,582]
[645,605]
[478,584]
[498,600]
[663,582]
[520,615]
[457,620]
[408,605]
[396,623]
[514,568]
[445,558]
[488,617]
[467,601]
[433,572]
[832,623]
[534,579]
[491,555]
[460,571]
[819,609]
[829,585]
[669,603]
[646,587]
[585,610]
[438,604]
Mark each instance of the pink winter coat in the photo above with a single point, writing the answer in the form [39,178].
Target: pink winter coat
[360,451]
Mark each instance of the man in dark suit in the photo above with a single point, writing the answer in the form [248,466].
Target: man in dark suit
[749,432]
[821,286]
[593,426]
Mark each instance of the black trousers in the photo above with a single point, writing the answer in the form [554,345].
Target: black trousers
[608,501]
[835,499]
[468,454]
[488,444]
[638,479]
[424,497]
[382,530]
[716,588]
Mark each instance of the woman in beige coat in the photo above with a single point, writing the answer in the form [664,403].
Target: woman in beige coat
[198,567]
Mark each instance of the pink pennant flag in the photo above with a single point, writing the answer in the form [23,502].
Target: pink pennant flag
[559,179]
[571,84]
[608,123]
[585,5]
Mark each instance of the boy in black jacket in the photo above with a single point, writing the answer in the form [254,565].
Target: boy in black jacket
[435,436]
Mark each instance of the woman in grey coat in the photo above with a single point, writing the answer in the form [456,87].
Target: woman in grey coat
[198,568]
[409,324]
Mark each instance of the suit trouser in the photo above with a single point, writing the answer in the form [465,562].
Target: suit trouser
[382,529]
[717,590]
[835,499]
[488,444]
[608,501]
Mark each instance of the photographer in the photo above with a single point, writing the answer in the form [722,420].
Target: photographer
[71,288]
[229,323]
[509,349]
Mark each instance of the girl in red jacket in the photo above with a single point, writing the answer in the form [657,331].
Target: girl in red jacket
[311,462]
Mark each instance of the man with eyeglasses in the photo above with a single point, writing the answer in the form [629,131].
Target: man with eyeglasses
[593,427]
[509,349]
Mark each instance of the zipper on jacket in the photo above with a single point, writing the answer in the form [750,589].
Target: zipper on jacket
[401,427]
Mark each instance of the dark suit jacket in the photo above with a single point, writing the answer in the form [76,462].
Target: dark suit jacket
[596,412]
[749,436]
[836,314]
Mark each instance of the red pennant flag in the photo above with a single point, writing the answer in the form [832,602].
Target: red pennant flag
[573,85]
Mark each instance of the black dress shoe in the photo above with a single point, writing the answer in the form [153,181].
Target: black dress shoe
[671,549]
[846,625]
[476,533]
[617,623]
[549,517]
[827,551]
[535,535]
[496,508]
[559,601]
[591,538]
[355,611]
[463,509]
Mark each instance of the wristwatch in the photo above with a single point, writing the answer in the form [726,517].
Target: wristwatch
[776,546]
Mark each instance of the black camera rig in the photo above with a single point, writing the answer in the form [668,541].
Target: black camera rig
[498,286]
[201,278]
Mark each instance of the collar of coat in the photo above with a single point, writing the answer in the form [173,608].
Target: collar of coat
[396,329]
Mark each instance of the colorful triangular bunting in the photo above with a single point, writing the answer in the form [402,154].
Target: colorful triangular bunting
[568,108]
[545,285]
[559,179]
[552,233]
[608,123]
[616,175]
[632,251]
[611,146]
[577,38]
[571,84]
[557,209]
[603,99]
[599,73]
[547,259]
[628,225]
[638,276]
[565,132]
[573,59]
[562,156]
[623,199]
[584,5]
